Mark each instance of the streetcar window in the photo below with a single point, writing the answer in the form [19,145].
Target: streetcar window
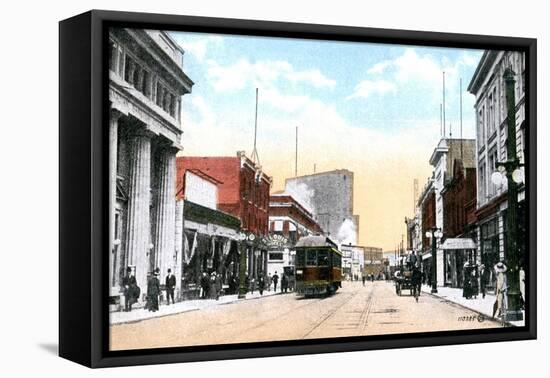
[311,257]
[322,257]
[337,260]
[300,257]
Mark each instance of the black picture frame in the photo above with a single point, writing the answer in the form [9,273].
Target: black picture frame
[83,197]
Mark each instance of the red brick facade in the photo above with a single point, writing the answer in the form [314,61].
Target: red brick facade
[459,199]
[243,190]
[287,206]
[428,218]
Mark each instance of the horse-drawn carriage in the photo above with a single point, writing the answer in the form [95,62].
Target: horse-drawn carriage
[407,278]
[403,281]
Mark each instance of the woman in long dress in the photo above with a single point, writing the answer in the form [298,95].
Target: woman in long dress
[501,289]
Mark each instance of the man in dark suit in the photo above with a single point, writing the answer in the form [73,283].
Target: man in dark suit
[129,285]
[153,290]
[170,284]
[275,279]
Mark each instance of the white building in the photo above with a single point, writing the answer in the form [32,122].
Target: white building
[353,261]
[489,88]
[146,83]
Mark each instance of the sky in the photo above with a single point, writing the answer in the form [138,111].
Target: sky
[371,108]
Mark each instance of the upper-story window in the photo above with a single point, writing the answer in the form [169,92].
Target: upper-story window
[482,183]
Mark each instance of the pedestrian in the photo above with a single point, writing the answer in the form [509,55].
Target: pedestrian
[153,291]
[170,285]
[284,283]
[484,276]
[212,286]
[204,282]
[364,278]
[269,281]
[252,285]
[131,289]
[474,281]
[218,285]
[467,285]
[246,283]
[501,289]
[261,284]
[416,281]
[275,279]
[372,277]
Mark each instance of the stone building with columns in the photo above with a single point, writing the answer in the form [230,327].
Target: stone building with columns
[146,83]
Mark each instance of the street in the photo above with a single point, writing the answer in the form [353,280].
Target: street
[354,310]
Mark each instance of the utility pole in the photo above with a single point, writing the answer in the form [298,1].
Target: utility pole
[513,312]
[296,155]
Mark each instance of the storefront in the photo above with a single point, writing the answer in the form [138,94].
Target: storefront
[490,247]
[456,253]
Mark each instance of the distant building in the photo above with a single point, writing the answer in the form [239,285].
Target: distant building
[489,88]
[459,204]
[288,222]
[442,160]
[375,262]
[243,192]
[427,221]
[146,83]
[353,261]
[329,196]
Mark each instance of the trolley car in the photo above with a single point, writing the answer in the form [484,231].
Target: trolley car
[318,266]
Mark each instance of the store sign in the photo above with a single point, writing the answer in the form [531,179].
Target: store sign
[274,241]
[458,243]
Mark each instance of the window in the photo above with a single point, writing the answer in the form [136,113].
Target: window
[113,48]
[300,258]
[336,260]
[311,257]
[276,256]
[482,183]
[322,257]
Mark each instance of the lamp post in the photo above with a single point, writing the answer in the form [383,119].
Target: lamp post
[514,176]
[242,266]
[434,234]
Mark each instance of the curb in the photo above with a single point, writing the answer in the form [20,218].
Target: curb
[485,316]
[190,310]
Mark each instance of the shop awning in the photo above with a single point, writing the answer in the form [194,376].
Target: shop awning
[458,243]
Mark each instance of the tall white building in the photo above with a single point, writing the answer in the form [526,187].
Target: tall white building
[489,88]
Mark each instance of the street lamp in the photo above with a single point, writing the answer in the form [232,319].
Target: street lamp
[242,265]
[434,234]
[514,175]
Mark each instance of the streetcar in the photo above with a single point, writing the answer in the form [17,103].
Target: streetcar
[318,266]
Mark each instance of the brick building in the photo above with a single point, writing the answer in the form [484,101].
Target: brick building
[427,218]
[243,192]
[459,204]
[289,220]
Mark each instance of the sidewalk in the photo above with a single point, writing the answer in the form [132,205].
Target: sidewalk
[480,305]
[120,317]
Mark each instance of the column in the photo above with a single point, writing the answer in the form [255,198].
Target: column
[114,115]
[137,243]
[179,245]
[165,216]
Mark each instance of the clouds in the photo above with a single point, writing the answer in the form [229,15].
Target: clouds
[198,47]
[367,88]
[422,71]
[370,109]
[266,74]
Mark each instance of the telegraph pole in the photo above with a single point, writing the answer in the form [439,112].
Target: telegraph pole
[513,312]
